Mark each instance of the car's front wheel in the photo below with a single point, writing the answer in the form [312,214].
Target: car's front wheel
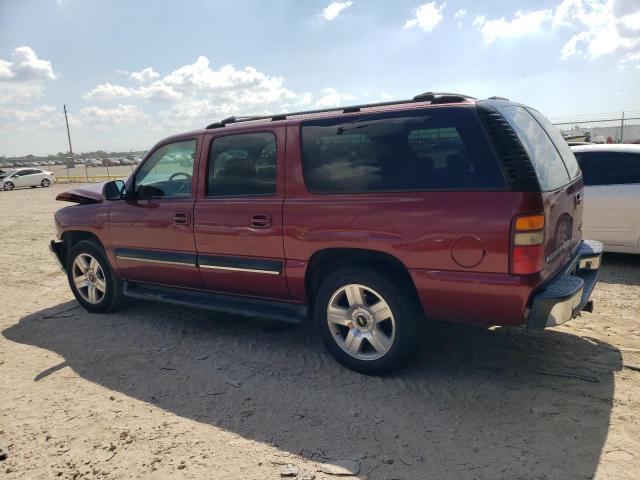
[367,320]
[96,287]
[9,186]
[45,182]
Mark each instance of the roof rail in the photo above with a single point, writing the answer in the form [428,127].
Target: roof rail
[432,97]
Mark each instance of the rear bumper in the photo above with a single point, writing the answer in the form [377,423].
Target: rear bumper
[57,247]
[567,294]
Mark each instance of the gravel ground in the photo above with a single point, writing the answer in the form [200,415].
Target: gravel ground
[155,391]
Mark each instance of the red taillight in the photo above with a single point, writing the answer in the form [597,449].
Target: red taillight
[527,237]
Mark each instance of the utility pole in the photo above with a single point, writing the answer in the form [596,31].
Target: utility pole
[66,120]
[622,129]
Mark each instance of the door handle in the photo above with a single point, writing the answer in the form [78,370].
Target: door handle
[578,198]
[182,219]
[261,221]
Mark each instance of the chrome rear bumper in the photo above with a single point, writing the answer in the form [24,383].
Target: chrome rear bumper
[567,294]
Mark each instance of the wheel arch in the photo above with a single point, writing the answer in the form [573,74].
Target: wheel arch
[324,261]
[71,237]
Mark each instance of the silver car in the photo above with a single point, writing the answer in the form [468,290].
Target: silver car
[26,177]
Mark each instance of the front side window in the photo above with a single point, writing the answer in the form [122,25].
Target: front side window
[550,168]
[430,149]
[613,168]
[242,165]
[168,171]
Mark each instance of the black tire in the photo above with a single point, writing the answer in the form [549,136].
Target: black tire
[45,182]
[9,186]
[112,297]
[408,317]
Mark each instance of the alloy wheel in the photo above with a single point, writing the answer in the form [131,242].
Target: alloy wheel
[361,322]
[89,278]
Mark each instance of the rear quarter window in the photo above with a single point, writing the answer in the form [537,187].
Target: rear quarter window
[561,144]
[550,169]
[429,149]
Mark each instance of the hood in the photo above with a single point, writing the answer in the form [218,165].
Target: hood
[87,194]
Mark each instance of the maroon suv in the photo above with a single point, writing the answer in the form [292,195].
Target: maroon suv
[371,219]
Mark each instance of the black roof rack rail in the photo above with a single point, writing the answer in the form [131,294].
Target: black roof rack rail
[433,97]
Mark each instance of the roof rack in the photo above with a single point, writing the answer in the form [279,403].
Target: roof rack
[432,97]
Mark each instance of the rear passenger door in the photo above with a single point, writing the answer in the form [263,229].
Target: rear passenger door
[238,214]
[612,197]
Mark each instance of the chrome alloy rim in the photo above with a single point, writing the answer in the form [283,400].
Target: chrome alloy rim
[88,278]
[361,322]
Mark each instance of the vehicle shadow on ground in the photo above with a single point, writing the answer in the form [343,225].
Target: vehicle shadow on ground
[620,268]
[475,404]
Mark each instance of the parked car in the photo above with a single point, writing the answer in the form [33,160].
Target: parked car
[341,216]
[26,177]
[612,195]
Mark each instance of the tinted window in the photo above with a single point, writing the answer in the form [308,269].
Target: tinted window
[433,149]
[549,167]
[243,165]
[613,168]
[561,144]
[168,171]
[582,158]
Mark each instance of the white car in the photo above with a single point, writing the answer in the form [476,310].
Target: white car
[26,177]
[612,195]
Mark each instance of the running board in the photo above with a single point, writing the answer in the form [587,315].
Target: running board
[234,304]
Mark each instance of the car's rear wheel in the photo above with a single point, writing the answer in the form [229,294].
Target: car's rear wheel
[367,320]
[45,182]
[96,287]
[9,186]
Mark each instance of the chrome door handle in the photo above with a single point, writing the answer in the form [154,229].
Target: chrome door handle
[261,221]
[182,219]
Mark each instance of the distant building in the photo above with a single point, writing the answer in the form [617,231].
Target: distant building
[631,134]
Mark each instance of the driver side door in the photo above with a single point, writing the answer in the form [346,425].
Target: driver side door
[152,228]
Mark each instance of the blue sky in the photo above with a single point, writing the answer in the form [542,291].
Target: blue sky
[133,72]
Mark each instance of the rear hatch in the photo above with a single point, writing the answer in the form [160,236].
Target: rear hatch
[560,181]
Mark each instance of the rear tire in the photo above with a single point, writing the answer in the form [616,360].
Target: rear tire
[367,321]
[94,284]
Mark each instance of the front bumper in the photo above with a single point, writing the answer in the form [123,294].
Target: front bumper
[567,294]
[57,248]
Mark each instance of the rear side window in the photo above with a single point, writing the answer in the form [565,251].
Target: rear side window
[242,165]
[550,168]
[561,144]
[431,149]
[613,168]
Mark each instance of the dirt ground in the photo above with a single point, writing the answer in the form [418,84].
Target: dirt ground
[157,391]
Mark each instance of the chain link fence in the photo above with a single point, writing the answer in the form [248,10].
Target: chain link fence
[618,127]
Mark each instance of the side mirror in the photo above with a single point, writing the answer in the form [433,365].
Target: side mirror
[113,190]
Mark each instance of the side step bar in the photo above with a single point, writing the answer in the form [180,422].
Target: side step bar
[234,304]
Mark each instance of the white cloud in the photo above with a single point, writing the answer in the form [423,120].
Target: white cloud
[478,21]
[18,115]
[427,17]
[22,78]
[332,10]
[26,66]
[595,27]
[522,24]
[144,76]
[603,27]
[460,13]
[125,115]
[197,94]
[332,98]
